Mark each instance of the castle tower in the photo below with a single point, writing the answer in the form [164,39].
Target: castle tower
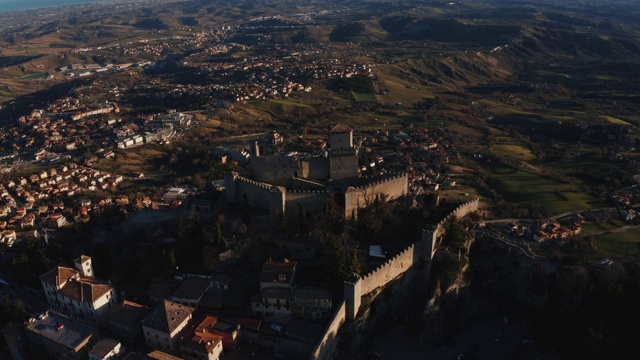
[353,297]
[341,137]
[84,265]
[343,157]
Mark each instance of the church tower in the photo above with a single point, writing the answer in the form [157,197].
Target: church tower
[84,265]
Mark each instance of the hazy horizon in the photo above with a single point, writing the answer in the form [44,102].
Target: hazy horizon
[13,5]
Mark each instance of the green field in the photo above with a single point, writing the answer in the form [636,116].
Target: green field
[554,195]
[620,244]
[365,97]
[516,151]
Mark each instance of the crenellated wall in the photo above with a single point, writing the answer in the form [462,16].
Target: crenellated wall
[258,195]
[423,248]
[392,268]
[388,271]
[393,186]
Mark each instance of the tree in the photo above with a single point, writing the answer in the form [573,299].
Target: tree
[454,236]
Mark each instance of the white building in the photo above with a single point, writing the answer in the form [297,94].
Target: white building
[77,292]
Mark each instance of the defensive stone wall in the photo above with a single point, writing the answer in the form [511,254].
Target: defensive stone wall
[312,201]
[343,165]
[393,186]
[315,168]
[388,271]
[326,346]
[423,248]
[258,195]
[392,268]
[277,170]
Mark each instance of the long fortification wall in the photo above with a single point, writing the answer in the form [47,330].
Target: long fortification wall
[393,187]
[258,195]
[424,247]
[383,275]
[388,271]
[326,346]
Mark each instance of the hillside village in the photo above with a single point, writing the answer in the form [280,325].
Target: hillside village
[212,180]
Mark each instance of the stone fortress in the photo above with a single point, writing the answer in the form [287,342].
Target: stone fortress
[423,250]
[284,182]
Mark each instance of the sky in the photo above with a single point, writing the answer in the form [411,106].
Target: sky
[10,5]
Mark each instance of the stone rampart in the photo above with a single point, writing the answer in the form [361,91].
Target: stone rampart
[277,170]
[391,269]
[327,345]
[257,194]
[312,201]
[388,271]
[423,248]
[392,186]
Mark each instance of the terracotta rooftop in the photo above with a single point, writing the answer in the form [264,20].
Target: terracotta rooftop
[340,129]
[59,275]
[201,338]
[167,317]
[85,289]
[278,273]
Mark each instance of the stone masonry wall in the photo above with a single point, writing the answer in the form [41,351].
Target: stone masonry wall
[311,201]
[326,346]
[390,270]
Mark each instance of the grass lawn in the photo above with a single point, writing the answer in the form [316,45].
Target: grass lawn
[620,244]
[515,151]
[365,97]
[554,195]
[615,120]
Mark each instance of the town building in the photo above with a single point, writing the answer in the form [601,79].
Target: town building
[124,321]
[281,300]
[52,334]
[76,292]
[276,281]
[201,343]
[163,325]
[106,349]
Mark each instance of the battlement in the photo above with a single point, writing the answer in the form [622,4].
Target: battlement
[307,192]
[391,261]
[252,182]
[385,179]
[383,275]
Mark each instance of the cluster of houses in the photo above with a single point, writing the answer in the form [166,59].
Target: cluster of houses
[86,318]
[419,153]
[268,77]
[625,197]
[55,187]
[51,128]
[547,229]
